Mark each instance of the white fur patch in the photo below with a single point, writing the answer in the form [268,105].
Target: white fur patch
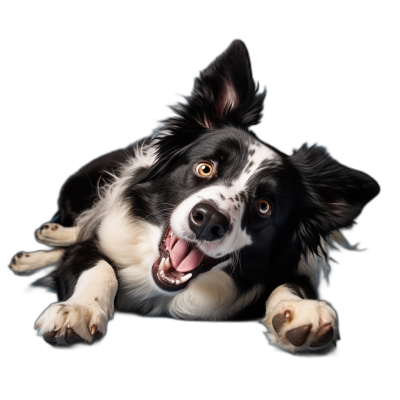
[211,296]
[126,240]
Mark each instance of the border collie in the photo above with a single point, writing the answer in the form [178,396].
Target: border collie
[202,221]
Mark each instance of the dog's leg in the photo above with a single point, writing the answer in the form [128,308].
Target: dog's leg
[56,235]
[296,323]
[27,262]
[84,316]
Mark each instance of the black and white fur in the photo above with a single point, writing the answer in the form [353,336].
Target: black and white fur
[107,239]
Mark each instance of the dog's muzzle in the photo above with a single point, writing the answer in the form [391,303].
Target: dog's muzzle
[207,223]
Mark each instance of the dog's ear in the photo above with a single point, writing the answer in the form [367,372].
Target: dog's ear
[225,93]
[332,195]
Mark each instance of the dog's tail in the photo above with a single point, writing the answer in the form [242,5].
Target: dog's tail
[48,281]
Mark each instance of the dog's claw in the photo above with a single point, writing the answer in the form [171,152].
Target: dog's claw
[298,336]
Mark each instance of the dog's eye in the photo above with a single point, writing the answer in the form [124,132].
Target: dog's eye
[204,169]
[264,208]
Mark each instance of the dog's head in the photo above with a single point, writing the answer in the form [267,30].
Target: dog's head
[222,193]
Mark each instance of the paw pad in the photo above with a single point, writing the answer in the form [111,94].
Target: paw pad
[298,336]
[44,227]
[72,337]
[323,336]
[280,320]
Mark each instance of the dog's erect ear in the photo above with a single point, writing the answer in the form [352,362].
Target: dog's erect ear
[225,93]
[333,195]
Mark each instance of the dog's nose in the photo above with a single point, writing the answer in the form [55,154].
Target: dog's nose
[207,223]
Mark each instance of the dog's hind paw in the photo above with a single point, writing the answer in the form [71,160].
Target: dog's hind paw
[302,325]
[56,235]
[24,262]
[67,323]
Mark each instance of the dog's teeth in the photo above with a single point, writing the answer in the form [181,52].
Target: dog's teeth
[177,282]
[162,263]
[186,277]
[162,273]
[174,239]
[167,264]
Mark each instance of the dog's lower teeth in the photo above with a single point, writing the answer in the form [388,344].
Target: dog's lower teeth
[186,277]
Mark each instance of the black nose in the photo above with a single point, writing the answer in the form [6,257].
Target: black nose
[207,223]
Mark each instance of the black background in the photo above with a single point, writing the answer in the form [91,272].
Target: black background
[83,89]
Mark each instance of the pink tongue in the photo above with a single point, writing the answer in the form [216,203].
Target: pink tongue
[182,260]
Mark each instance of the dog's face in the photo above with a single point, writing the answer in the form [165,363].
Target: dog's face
[222,193]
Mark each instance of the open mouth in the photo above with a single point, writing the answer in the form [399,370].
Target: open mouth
[179,263]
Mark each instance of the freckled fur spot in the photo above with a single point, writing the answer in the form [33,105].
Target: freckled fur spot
[248,168]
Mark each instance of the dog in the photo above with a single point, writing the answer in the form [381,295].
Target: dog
[202,221]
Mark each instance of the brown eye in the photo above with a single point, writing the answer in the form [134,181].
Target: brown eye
[264,208]
[204,169]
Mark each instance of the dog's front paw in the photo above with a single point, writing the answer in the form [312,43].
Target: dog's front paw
[70,322]
[302,325]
